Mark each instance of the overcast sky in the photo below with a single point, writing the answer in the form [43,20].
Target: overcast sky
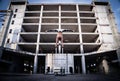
[115,4]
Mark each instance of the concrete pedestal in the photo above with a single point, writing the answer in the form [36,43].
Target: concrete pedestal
[56,62]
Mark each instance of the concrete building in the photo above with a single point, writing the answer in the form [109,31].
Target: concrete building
[28,45]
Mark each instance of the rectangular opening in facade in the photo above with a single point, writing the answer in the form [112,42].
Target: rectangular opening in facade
[101,2]
[33,7]
[32,14]
[89,28]
[71,49]
[8,40]
[90,38]
[85,7]
[68,7]
[46,48]
[74,28]
[69,20]
[45,28]
[87,15]
[27,48]
[31,20]
[28,64]
[92,63]
[10,31]
[50,14]
[28,38]
[50,8]
[67,38]
[70,38]
[29,28]
[50,20]
[48,38]
[88,20]
[68,14]
[90,48]
[77,64]
[41,64]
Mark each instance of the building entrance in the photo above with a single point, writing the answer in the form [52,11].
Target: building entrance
[41,65]
[77,64]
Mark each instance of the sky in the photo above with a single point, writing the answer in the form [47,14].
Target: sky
[115,5]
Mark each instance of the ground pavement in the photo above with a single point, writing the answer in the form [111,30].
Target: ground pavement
[74,77]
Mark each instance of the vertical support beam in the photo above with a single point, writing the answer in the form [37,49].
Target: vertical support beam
[59,16]
[59,47]
[67,64]
[55,50]
[79,25]
[81,42]
[35,64]
[62,50]
[118,55]
[83,64]
[38,39]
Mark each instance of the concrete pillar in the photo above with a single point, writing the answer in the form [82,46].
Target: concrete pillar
[118,55]
[35,64]
[83,64]
[81,41]
[59,49]
[66,64]
[105,66]
[59,17]
[62,50]
[55,50]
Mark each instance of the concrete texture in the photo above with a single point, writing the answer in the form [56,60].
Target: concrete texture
[93,31]
[41,77]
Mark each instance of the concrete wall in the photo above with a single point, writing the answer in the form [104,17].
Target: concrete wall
[107,39]
[58,61]
[16,27]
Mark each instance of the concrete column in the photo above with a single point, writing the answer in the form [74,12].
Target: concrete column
[38,38]
[35,64]
[59,47]
[59,16]
[105,66]
[62,50]
[81,41]
[118,55]
[55,50]
[83,64]
[66,64]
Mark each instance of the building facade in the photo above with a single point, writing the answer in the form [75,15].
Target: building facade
[30,46]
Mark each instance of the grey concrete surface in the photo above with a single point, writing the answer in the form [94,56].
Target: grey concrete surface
[42,77]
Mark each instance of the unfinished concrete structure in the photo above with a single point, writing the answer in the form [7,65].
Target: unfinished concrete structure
[30,46]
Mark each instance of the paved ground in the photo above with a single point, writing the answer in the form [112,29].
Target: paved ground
[42,77]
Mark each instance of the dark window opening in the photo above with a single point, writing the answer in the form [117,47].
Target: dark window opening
[16,10]
[14,16]
[12,22]
[8,40]
[10,31]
